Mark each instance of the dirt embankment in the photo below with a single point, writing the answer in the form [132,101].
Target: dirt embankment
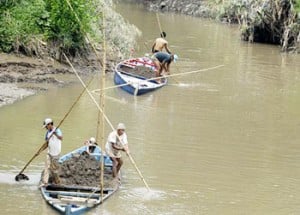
[200,8]
[22,76]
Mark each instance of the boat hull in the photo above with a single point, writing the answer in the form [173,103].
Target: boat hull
[76,199]
[131,79]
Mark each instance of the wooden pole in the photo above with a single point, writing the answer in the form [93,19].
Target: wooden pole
[87,36]
[104,115]
[166,76]
[159,25]
[89,93]
[137,169]
[60,123]
[102,103]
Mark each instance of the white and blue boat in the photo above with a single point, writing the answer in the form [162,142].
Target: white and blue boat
[76,199]
[137,76]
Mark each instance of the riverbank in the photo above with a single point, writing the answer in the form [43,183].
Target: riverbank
[15,70]
[200,8]
[22,76]
[270,22]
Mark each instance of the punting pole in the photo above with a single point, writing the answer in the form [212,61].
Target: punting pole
[22,176]
[106,118]
[165,76]
[102,103]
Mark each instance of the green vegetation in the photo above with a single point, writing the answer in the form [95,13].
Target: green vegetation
[24,21]
[297,6]
[38,27]
[62,25]
[18,21]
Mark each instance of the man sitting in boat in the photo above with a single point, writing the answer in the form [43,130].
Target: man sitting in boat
[90,145]
[162,62]
[117,142]
[160,44]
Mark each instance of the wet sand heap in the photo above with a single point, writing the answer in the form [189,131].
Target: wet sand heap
[84,170]
[142,71]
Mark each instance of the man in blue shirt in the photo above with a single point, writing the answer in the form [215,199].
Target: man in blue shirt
[162,61]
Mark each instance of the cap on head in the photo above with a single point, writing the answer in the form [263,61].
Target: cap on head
[92,140]
[163,34]
[121,126]
[175,58]
[47,121]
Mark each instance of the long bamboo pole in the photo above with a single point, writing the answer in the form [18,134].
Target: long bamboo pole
[60,123]
[166,76]
[102,102]
[106,118]
[86,35]
[159,25]
[161,31]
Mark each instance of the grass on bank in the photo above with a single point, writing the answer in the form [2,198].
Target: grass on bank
[24,24]
[49,20]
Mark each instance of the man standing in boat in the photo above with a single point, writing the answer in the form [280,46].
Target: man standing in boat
[53,139]
[160,44]
[117,142]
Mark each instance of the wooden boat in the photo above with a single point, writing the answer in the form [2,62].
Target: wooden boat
[76,199]
[133,76]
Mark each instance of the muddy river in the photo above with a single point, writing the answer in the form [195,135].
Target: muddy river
[222,141]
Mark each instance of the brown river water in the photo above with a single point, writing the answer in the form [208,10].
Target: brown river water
[222,141]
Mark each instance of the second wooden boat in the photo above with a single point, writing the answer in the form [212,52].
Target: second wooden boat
[137,76]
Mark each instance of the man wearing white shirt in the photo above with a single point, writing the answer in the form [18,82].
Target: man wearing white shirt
[53,138]
[117,142]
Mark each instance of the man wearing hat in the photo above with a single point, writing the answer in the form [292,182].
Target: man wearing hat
[162,61]
[90,145]
[117,142]
[53,139]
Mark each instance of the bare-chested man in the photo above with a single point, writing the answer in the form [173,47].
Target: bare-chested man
[160,44]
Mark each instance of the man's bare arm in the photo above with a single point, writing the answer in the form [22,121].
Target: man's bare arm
[167,48]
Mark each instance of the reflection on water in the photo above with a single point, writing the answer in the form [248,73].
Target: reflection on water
[223,141]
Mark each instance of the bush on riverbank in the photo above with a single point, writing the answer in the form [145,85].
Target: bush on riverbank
[266,21]
[25,22]
[297,6]
[274,22]
[34,27]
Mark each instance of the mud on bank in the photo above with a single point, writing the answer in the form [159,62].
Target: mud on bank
[22,76]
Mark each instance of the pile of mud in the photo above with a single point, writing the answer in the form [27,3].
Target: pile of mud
[84,170]
[140,71]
